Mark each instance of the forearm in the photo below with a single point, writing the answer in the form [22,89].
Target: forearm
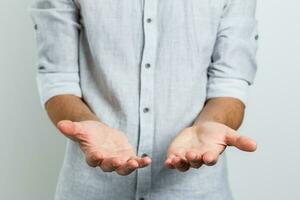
[225,110]
[68,107]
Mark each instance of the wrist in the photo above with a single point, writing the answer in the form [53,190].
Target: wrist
[87,117]
[200,123]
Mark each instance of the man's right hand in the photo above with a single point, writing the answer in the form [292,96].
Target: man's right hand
[103,146]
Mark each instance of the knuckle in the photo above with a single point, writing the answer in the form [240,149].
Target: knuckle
[196,166]
[106,170]
[92,159]
[90,162]
[212,163]
[122,173]
[131,168]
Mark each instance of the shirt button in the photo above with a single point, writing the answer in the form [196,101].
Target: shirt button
[35,26]
[144,155]
[149,20]
[145,110]
[148,65]
[256,37]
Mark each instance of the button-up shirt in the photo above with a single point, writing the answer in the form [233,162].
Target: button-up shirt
[145,67]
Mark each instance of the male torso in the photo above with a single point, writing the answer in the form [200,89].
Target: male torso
[146,68]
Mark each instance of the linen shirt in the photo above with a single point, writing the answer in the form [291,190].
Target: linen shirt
[145,67]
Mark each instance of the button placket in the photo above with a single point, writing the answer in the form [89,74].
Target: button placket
[146,97]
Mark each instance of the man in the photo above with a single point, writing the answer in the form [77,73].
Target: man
[144,90]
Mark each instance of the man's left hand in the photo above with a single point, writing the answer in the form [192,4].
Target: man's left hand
[202,144]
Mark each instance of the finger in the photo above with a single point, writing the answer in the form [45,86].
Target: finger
[66,127]
[69,128]
[241,142]
[117,162]
[144,162]
[107,165]
[94,159]
[180,164]
[132,163]
[196,165]
[127,168]
[194,159]
[168,162]
[210,158]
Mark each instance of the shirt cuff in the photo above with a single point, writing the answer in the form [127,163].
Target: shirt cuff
[53,84]
[225,87]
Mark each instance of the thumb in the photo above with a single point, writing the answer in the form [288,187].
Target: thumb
[69,128]
[241,142]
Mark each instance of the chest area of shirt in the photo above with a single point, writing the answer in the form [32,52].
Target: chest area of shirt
[131,12]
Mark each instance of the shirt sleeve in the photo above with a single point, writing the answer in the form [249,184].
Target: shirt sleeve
[57,33]
[233,65]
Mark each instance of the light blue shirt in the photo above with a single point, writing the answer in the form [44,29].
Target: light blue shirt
[145,67]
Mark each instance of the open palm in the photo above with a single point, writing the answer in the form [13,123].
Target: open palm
[103,146]
[203,144]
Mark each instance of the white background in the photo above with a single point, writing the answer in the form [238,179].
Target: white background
[31,150]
